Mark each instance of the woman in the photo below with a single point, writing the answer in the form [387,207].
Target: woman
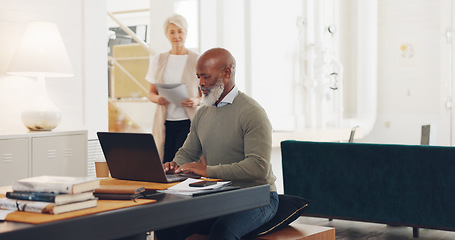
[172,121]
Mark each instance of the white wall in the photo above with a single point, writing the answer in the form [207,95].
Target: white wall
[412,90]
[82,99]
[274,55]
[95,67]
[134,17]
[263,37]
[159,11]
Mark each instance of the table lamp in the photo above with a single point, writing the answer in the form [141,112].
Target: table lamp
[41,54]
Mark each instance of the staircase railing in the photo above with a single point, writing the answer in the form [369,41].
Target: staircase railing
[128,31]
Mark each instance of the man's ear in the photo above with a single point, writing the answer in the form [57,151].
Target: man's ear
[227,72]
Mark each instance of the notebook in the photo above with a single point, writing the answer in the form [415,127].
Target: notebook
[134,156]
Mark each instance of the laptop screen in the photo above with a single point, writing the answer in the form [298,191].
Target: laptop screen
[132,156]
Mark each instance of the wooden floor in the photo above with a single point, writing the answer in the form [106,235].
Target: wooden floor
[350,230]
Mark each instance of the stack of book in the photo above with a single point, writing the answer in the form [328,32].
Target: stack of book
[51,194]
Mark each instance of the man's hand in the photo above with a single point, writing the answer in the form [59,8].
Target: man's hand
[170,167]
[199,168]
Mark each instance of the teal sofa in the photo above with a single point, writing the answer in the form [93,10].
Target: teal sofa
[404,185]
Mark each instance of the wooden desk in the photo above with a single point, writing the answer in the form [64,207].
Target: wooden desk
[169,210]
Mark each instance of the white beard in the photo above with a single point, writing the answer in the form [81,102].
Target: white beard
[214,94]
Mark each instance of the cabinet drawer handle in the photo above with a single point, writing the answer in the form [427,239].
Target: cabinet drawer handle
[67,152]
[51,153]
[7,157]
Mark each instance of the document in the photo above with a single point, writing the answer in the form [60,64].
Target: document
[184,188]
[173,93]
[4,213]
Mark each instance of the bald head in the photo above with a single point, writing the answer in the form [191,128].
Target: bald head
[218,58]
[215,69]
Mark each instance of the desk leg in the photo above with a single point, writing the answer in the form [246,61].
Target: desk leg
[142,236]
[415,232]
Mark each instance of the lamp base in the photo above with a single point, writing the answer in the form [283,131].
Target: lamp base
[36,120]
[42,114]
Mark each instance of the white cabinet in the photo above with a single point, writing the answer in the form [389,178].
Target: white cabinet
[14,162]
[62,153]
[59,155]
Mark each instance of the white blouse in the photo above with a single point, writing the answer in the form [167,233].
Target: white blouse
[172,74]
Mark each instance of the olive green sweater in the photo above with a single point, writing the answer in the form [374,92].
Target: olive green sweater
[235,139]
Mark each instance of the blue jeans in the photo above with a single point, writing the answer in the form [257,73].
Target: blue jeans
[229,227]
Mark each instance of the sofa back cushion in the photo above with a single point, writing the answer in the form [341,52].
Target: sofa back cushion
[408,184]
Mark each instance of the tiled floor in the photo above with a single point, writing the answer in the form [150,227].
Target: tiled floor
[350,230]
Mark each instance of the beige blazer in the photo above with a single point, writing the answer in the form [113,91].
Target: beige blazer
[191,81]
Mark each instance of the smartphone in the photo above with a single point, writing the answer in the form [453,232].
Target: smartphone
[202,184]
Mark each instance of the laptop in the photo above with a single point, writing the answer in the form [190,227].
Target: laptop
[134,156]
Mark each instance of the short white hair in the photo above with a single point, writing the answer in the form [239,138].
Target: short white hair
[176,19]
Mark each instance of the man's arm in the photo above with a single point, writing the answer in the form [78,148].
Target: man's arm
[191,149]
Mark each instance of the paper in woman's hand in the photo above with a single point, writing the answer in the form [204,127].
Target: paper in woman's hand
[173,93]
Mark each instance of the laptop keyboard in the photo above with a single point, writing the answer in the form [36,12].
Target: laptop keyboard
[180,177]
[175,177]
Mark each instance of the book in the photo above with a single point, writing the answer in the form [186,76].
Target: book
[121,189]
[119,192]
[57,198]
[56,184]
[45,207]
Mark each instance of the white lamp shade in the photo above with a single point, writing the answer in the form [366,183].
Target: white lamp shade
[41,53]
